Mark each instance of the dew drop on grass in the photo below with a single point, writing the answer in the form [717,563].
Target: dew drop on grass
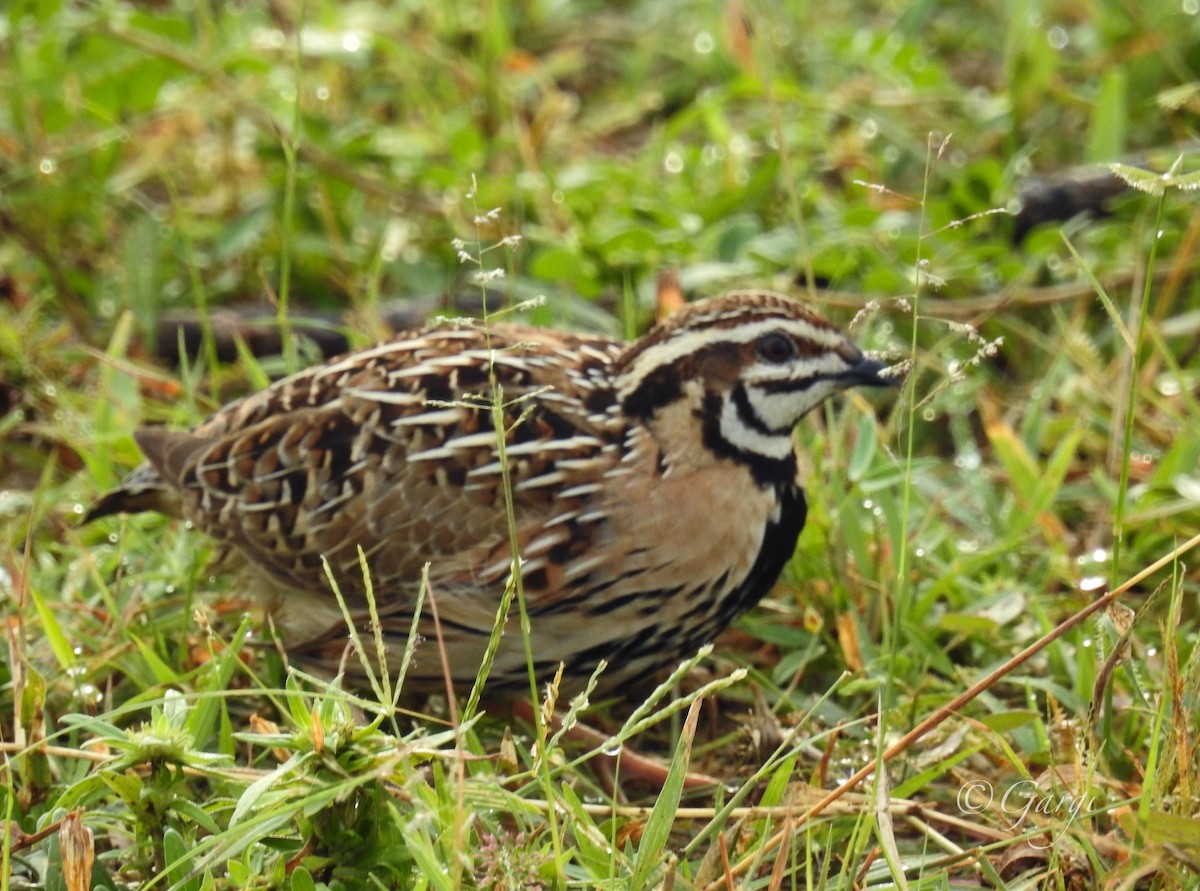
[1169,385]
[1057,37]
[968,461]
[77,508]
[673,163]
[868,504]
[704,43]
[323,93]
[1100,555]
[612,748]
[868,129]
[112,538]
[47,166]
[1087,642]
[1091,583]
[1191,7]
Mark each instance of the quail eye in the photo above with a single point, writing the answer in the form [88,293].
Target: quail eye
[776,347]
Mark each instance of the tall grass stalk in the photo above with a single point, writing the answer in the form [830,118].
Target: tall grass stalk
[290,143]
[515,590]
[1131,393]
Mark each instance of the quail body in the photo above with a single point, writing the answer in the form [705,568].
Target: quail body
[654,486]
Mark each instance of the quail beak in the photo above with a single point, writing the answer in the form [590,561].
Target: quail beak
[868,372]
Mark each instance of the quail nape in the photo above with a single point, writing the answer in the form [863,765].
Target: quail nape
[654,486]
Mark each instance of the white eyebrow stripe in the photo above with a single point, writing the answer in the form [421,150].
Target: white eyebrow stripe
[686,342]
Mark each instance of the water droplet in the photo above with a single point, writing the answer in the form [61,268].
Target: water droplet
[351,43]
[673,163]
[112,538]
[868,504]
[713,153]
[1087,642]
[1091,582]
[967,545]
[323,93]
[1191,7]
[868,129]
[968,461]
[919,552]
[47,166]
[1151,651]
[704,43]
[1100,555]
[1168,385]
[557,196]
[612,748]
[929,414]
[77,508]
[1058,37]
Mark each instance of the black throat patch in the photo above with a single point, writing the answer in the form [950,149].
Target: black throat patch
[767,471]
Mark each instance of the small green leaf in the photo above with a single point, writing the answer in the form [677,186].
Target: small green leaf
[1174,829]
[1006,722]
[864,449]
[302,880]
[178,860]
[653,844]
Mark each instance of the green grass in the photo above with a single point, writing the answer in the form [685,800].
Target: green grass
[1045,448]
